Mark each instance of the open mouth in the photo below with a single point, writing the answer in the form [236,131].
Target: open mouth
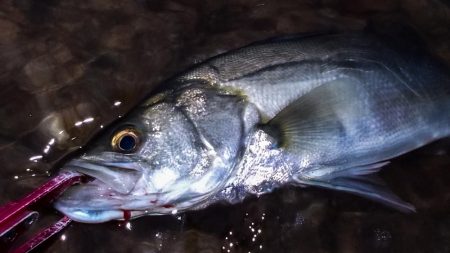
[120,177]
[112,193]
[102,198]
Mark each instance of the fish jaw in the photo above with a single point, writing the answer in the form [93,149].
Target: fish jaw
[93,202]
[114,188]
[121,191]
[120,176]
[97,202]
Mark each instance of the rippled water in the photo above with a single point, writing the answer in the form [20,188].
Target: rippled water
[70,68]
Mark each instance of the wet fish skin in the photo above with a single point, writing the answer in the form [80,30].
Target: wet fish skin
[318,110]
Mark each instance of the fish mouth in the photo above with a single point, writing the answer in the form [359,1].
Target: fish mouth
[118,176]
[109,195]
[121,190]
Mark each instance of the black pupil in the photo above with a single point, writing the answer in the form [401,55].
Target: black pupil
[127,143]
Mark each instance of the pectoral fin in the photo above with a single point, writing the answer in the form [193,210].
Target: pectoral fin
[358,181]
[314,120]
[320,123]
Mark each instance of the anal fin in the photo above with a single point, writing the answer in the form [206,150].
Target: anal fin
[358,180]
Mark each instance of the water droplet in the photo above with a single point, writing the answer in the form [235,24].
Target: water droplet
[35,158]
[382,235]
[87,120]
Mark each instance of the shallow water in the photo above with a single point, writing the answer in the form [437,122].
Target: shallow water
[70,68]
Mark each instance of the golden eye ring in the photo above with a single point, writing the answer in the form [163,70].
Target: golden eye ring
[125,140]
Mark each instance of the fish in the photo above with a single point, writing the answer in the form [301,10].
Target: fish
[325,110]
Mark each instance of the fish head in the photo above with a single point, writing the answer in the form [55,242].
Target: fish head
[162,158]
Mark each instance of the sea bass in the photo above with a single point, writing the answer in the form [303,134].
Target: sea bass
[325,110]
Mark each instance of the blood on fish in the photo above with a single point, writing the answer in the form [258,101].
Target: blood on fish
[126,215]
[168,206]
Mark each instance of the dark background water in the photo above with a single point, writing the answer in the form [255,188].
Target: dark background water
[66,64]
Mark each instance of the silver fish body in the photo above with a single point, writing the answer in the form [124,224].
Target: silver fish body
[318,110]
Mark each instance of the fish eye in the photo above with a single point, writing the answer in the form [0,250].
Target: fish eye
[125,140]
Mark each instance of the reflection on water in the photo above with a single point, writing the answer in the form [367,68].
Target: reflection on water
[70,68]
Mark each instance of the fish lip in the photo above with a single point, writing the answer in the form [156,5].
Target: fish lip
[94,215]
[121,176]
[101,199]
[89,206]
